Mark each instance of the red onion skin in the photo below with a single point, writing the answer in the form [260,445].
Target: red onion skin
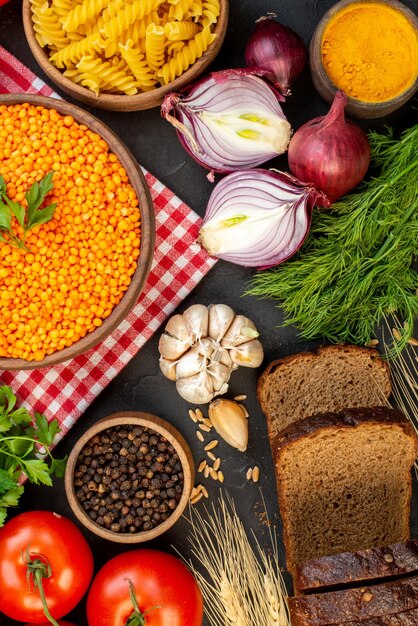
[277,49]
[330,152]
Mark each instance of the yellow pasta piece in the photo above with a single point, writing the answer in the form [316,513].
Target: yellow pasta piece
[131,12]
[211,11]
[154,46]
[109,77]
[179,8]
[47,29]
[138,66]
[180,31]
[186,56]
[77,50]
[84,79]
[83,13]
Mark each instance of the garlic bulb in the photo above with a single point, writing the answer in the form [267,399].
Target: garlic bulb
[229,421]
[200,348]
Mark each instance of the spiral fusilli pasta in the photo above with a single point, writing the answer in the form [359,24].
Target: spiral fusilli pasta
[186,56]
[124,46]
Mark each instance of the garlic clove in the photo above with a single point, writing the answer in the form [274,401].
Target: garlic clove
[230,423]
[241,330]
[197,316]
[220,375]
[197,389]
[172,348]
[249,354]
[225,359]
[220,319]
[190,364]
[205,347]
[168,368]
[179,328]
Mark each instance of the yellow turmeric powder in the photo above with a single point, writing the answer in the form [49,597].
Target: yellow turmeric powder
[370,51]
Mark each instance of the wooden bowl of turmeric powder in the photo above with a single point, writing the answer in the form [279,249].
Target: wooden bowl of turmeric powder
[78,251]
[369,50]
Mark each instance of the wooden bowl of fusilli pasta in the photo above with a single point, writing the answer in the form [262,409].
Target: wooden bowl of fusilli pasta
[124,55]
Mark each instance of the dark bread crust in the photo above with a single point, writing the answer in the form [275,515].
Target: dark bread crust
[355,605]
[357,567]
[346,419]
[308,359]
[406,618]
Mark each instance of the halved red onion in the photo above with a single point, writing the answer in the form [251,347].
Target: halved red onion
[229,121]
[258,218]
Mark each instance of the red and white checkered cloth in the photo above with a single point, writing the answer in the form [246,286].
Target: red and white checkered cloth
[66,390]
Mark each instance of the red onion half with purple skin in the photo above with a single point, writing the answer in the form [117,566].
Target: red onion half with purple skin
[258,218]
[277,49]
[230,120]
[330,152]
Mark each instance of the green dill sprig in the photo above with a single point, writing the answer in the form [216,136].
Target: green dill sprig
[355,267]
[28,217]
[24,448]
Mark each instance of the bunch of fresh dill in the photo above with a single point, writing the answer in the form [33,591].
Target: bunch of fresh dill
[355,267]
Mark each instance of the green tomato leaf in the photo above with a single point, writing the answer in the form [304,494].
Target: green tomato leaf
[37,471]
[45,433]
[3,515]
[11,497]
[57,467]
[6,481]
[7,398]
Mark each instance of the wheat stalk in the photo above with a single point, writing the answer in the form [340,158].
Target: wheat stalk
[241,586]
[404,376]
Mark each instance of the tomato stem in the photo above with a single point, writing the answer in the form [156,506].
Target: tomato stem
[38,569]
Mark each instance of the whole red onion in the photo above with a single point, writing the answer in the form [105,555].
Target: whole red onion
[277,49]
[330,152]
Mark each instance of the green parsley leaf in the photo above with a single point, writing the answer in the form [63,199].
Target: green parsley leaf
[37,471]
[5,423]
[11,497]
[5,217]
[58,467]
[20,446]
[42,216]
[21,416]
[36,195]
[45,432]
[3,188]
[3,515]
[6,481]
[7,398]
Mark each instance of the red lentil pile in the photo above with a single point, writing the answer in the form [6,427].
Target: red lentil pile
[80,263]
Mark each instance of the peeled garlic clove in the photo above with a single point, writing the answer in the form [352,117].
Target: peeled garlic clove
[190,364]
[220,319]
[178,327]
[230,423]
[171,348]
[197,316]
[241,330]
[168,368]
[249,354]
[220,376]
[197,389]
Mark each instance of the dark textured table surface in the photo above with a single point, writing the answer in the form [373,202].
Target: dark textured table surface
[141,386]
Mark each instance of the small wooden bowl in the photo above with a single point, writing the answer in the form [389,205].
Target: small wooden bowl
[327,89]
[152,422]
[138,182]
[111,102]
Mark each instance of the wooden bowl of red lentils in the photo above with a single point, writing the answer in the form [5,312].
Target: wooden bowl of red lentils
[76,276]
[129,477]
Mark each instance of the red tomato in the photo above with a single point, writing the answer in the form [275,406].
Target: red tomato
[3,2]
[60,622]
[166,592]
[51,539]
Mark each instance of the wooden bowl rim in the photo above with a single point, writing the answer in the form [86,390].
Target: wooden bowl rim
[124,103]
[153,422]
[354,105]
[139,277]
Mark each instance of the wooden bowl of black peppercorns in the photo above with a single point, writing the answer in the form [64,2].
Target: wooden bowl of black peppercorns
[129,477]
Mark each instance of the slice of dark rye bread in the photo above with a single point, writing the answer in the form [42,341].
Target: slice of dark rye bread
[355,605]
[344,482]
[329,379]
[405,618]
[364,566]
